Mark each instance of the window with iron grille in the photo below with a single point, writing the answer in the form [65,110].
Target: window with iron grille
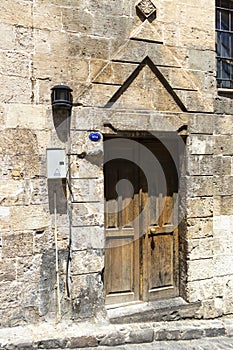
[224,47]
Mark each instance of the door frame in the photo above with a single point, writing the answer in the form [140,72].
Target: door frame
[144,135]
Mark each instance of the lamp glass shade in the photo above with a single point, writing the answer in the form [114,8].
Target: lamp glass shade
[61,97]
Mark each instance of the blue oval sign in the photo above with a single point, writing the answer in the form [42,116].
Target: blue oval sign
[95,136]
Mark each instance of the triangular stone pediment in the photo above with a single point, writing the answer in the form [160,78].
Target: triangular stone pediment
[148,32]
[146,88]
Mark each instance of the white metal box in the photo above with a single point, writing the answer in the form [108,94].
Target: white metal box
[56,163]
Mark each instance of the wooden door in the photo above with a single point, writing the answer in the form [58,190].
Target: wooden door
[160,265]
[141,255]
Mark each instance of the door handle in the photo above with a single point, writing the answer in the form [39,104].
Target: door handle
[152,232]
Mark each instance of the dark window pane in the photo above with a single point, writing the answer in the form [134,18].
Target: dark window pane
[225,45]
[226,68]
[218,44]
[231,45]
[226,4]
[224,20]
[231,21]
[218,19]
[219,69]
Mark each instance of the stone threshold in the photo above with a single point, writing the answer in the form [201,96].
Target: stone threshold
[87,335]
[161,310]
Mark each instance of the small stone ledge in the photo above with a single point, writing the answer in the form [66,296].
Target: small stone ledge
[166,310]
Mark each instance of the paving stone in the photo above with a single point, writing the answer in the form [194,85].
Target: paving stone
[145,336]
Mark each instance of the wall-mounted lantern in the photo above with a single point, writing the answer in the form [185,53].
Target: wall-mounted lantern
[61,97]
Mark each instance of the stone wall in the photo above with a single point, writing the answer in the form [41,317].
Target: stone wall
[128,73]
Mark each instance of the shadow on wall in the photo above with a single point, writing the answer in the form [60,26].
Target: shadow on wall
[57,188]
[62,121]
[57,194]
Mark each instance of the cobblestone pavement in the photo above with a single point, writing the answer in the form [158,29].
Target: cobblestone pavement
[218,343]
[175,335]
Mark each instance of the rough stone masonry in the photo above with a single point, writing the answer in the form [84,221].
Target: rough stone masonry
[135,67]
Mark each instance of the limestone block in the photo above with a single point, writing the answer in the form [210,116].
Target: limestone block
[130,121]
[110,26]
[222,166]
[87,296]
[200,269]
[96,67]
[47,16]
[15,245]
[223,243]
[223,125]
[199,207]
[14,192]
[208,309]
[201,124]
[14,63]
[223,185]
[42,91]
[87,238]
[223,145]
[62,70]
[39,191]
[44,141]
[87,262]
[199,186]
[179,78]
[135,52]
[22,11]
[199,228]
[223,105]
[196,101]
[228,295]
[10,296]
[25,116]
[123,7]
[16,37]
[34,217]
[223,225]
[17,142]
[223,205]
[88,214]
[88,118]
[201,248]
[115,73]
[80,143]
[45,238]
[200,165]
[87,46]
[87,190]
[85,168]
[170,34]
[97,95]
[48,44]
[202,60]
[201,144]
[4,218]
[8,269]
[170,122]
[28,270]
[197,37]
[19,167]
[20,89]
[200,290]
[223,265]
[77,20]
